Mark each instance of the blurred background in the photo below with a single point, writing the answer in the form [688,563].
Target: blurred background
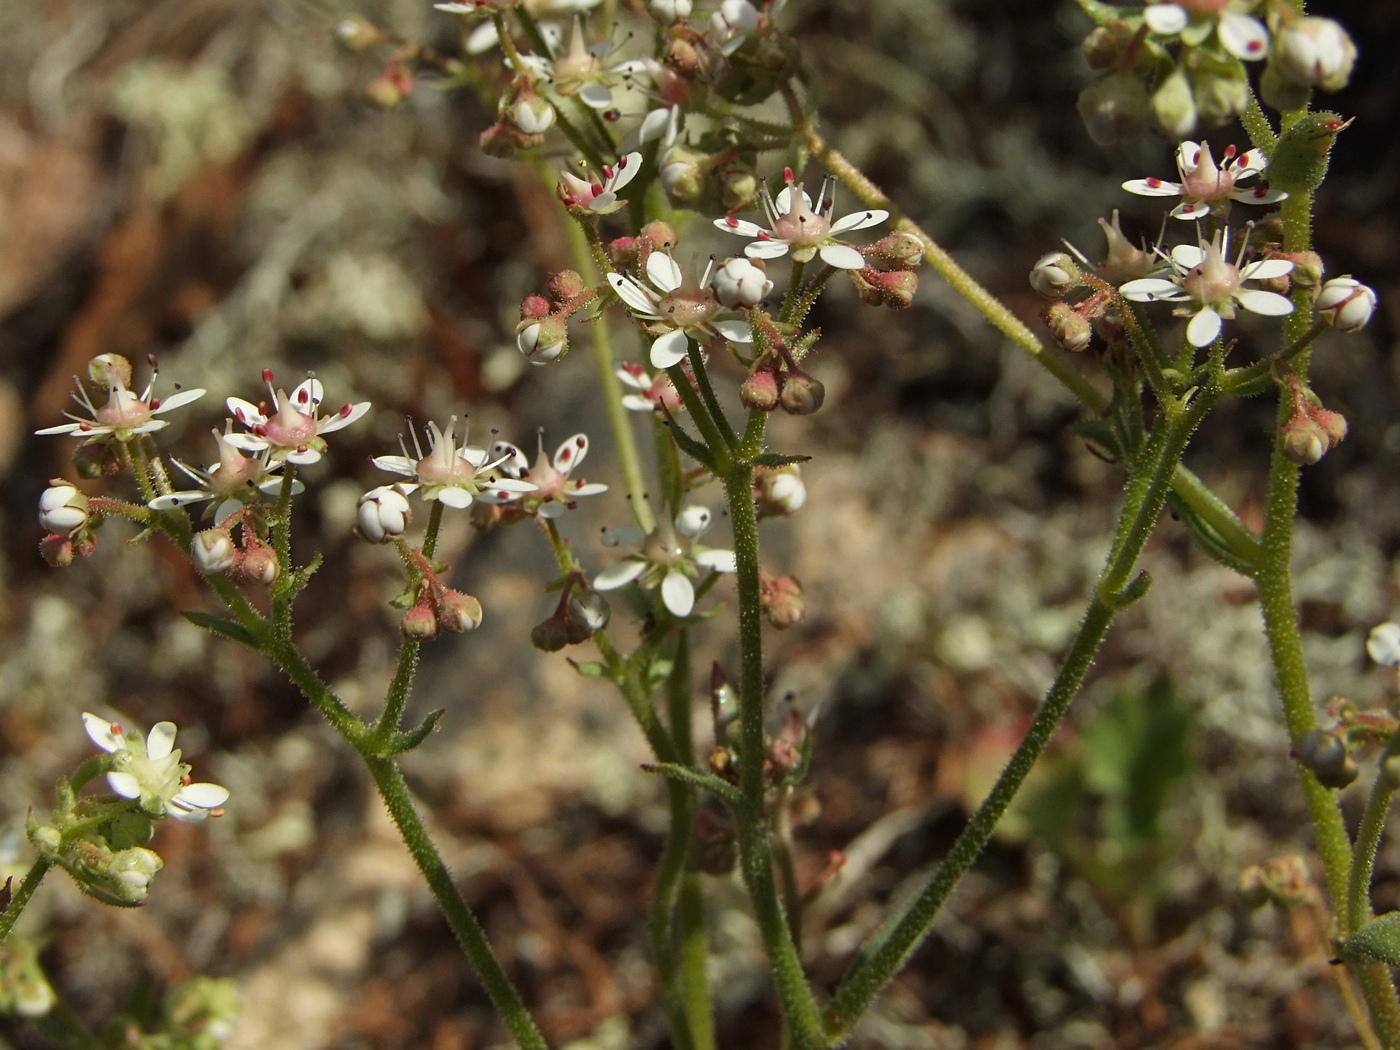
[202,181]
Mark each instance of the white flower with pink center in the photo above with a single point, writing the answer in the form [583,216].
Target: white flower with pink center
[1203,186]
[653,393]
[233,482]
[581,70]
[676,308]
[1194,21]
[450,473]
[1202,276]
[599,194]
[150,771]
[125,413]
[555,490]
[668,558]
[805,229]
[292,433]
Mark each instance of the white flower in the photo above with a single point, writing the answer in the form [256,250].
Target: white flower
[736,20]
[452,474]
[1242,36]
[125,414]
[293,433]
[150,770]
[1202,276]
[741,282]
[1346,304]
[483,38]
[676,308]
[554,491]
[668,558]
[382,514]
[796,225]
[580,71]
[780,490]
[1383,644]
[595,194]
[662,122]
[654,393]
[1203,185]
[62,508]
[235,481]
[670,10]
[1316,52]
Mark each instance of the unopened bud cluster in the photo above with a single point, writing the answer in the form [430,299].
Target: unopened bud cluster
[888,278]
[543,332]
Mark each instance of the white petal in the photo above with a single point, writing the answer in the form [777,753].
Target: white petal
[677,593]
[397,465]
[1152,188]
[664,272]
[1250,162]
[1383,644]
[734,331]
[226,508]
[102,733]
[506,485]
[654,125]
[637,403]
[588,488]
[1258,195]
[179,499]
[596,96]
[1243,37]
[571,453]
[783,201]
[180,397]
[308,394]
[606,199]
[342,419]
[615,576]
[633,295]
[62,428]
[160,741]
[1266,269]
[841,256]
[457,499]
[1188,256]
[1204,327]
[124,784]
[624,536]
[185,814]
[1190,210]
[304,457]
[551,509]
[483,38]
[205,796]
[669,349]
[247,442]
[693,520]
[766,249]
[859,220]
[1258,301]
[245,411]
[625,170]
[511,460]
[720,561]
[1151,290]
[740,226]
[1188,155]
[1166,19]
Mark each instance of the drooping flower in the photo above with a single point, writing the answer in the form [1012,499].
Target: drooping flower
[63,510]
[1203,186]
[1202,276]
[293,433]
[235,481]
[796,225]
[382,513]
[150,770]
[667,558]
[452,474]
[1383,644]
[554,489]
[125,413]
[599,195]
[1345,303]
[654,393]
[676,308]
[1240,34]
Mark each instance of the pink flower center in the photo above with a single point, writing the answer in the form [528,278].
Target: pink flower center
[1214,281]
[289,428]
[801,226]
[123,409]
[688,307]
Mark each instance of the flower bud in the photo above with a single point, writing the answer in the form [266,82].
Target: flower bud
[531,115]
[779,490]
[1346,304]
[660,234]
[500,140]
[739,188]
[1125,261]
[1333,424]
[1325,753]
[1315,52]
[682,172]
[781,599]
[109,370]
[383,513]
[760,390]
[900,249]
[1304,441]
[1068,327]
[897,288]
[1101,48]
[590,610]
[458,612]
[1174,106]
[419,624]
[1307,267]
[1383,644]
[62,508]
[57,551]
[866,283]
[1283,881]
[260,564]
[357,34]
[551,635]
[741,282]
[45,838]
[1220,88]
[536,307]
[670,10]
[801,393]
[542,341]
[389,88]
[131,871]
[1114,108]
[1053,274]
[96,460]
[212,551]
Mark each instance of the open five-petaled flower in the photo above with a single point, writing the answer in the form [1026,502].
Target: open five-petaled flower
[233,482]
[677,308]
[599,195]
[453,474]
[150,771]
[125,414]
[1203,186]
[554,490]
[805,229]
[292,433]
[668,557]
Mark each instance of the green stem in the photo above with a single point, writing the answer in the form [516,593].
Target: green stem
[707,391]
[468,931]
[1368,839]
[695,954]
[20,897]
[719,446]
[293,664]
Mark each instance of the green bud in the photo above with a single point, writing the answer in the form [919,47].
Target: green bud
[1299,161]
[1220,88]
[1114,108]
[1174,105]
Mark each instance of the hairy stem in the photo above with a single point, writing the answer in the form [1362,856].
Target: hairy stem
[19,900]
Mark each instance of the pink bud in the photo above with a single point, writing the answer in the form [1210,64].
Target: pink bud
[760,390]
[801,394]
[419,624]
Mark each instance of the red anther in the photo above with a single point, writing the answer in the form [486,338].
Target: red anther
[1153,182]
[581,441]
[788,176]
[1261,191]
[301,448]
[1229,152]
[621,163]
[267,375]
[260,430]
[153,404]
[608,170]
[632,368]
[565,455]
[151,360]
[570,201]
[597,188]
[303,395]
[731,222]
[85,427]
[117,730]
[763,235]
[345,410]
[611,116]
[239,415]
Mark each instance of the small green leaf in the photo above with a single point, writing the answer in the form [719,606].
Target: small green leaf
[1378,940]
[407,741]
[1210,540]
[721,789]
[694,449]
[590,668]
[775,459]
[227,628]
